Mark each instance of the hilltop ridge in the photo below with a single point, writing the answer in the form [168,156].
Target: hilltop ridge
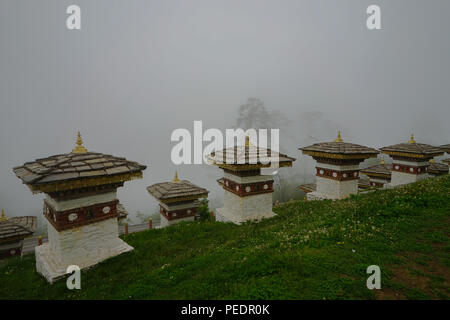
[310,250]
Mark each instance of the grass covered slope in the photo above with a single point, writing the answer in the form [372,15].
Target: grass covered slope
[311,250]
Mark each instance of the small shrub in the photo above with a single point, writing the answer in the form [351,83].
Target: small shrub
[203,210]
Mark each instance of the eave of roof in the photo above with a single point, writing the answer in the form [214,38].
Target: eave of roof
[72,170]
[182,190]
[339,150]
[249,157]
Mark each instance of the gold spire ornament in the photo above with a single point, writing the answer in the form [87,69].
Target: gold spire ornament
[432,161]
[79,147]
[411,140]
[3,217]
[382,161]
[338,139]
[247,141]
[175,178]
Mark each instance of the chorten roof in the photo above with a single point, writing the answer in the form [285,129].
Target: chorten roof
[437,168]
[382,170]
[363,183]
[412,149]
[445,147]
[308,187]
[248,157]
[176,190]
[339,149]
[16,228]
[77,169]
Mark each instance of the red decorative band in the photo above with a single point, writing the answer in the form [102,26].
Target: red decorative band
[337,175]
[11,252]
[248,189]
[376,184]
[244,173]
[177,214]
[409,169]
[67,219]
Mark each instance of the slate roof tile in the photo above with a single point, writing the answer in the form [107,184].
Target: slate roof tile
[17,227]
[340,148]
[242,155]
[71,166]
[172,190]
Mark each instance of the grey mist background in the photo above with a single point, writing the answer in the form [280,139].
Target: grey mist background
[137,70]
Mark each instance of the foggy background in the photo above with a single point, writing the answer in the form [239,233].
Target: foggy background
[137,70]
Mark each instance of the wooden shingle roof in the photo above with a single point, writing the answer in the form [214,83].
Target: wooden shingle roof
[447,160]
[308,187]
[339,149]
[344,148]
[445,147]
[363,183]
[436,168]
[176,191]
[413,149]
[75,166]
[248,156]
[379,169]
[17,228]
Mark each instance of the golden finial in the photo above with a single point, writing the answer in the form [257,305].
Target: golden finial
[79,148]
[175,179]
[247,141]
[338,139]
[382,161]
[3,217]
[432,161]
[411,140]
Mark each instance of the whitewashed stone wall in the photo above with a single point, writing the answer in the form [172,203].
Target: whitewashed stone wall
[84,246]
[334,189]
[62,205]
[250,179]
[239,209]
[400,178]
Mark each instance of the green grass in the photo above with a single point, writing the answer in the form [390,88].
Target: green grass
[310,250]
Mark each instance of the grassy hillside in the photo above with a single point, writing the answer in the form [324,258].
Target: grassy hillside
[311,250]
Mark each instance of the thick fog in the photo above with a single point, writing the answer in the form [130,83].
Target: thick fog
[137,70]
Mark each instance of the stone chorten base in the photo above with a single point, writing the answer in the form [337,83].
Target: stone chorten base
[84,247]
[250,208]
[400,178]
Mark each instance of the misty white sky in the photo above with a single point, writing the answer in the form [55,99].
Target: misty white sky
[140,69]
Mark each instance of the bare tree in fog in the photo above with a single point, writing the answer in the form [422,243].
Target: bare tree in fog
[253,114]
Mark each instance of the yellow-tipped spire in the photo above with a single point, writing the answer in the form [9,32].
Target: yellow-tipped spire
[247,141]
[79,147]
[382,161]
[3,217]
[411,140]
[175,178]
[338,139]
[432,161]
